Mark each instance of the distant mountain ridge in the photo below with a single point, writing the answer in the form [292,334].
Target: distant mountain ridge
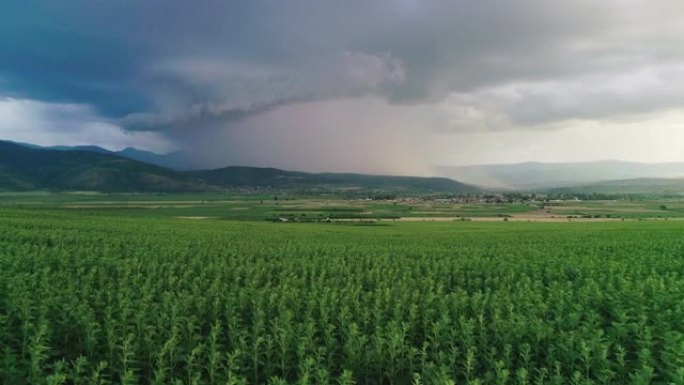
[23,168]
[95,168]
[89,168]
[176,160]
[640,186]
[540,176]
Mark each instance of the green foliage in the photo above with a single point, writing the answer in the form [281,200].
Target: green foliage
[96,299]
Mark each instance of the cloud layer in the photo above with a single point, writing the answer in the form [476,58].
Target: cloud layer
[254,81]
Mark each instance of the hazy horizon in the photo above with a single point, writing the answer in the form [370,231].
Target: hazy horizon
[389,87]
[118,148]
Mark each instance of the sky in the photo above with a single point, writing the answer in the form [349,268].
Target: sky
[381,86]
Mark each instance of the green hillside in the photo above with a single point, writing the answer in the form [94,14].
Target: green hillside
[23,168]
[281,179]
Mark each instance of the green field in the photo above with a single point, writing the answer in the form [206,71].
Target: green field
[318,208]
[117,292]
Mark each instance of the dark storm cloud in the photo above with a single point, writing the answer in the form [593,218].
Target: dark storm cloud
[176,66]
[211,89]
[127,57]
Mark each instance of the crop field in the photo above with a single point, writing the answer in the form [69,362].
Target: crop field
[312,209]
[101,293]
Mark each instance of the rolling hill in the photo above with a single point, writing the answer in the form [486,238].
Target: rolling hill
[541,176]
[24,167]
[294,180]
[176,160]
[640,186]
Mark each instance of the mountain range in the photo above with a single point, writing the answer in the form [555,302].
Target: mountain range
[658,187]
[176,160]
[26,167]
[533,176]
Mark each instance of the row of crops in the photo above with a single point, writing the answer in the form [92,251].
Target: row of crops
[91,299]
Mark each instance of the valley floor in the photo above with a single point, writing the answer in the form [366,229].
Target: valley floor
[312,209]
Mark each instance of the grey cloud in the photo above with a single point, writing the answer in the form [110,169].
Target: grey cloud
[68,124]
[536,104]
[211,89]
[187,69]
[238,56]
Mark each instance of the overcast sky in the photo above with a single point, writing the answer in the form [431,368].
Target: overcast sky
[392,86]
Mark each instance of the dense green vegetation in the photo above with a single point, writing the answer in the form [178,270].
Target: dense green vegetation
[87,297]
